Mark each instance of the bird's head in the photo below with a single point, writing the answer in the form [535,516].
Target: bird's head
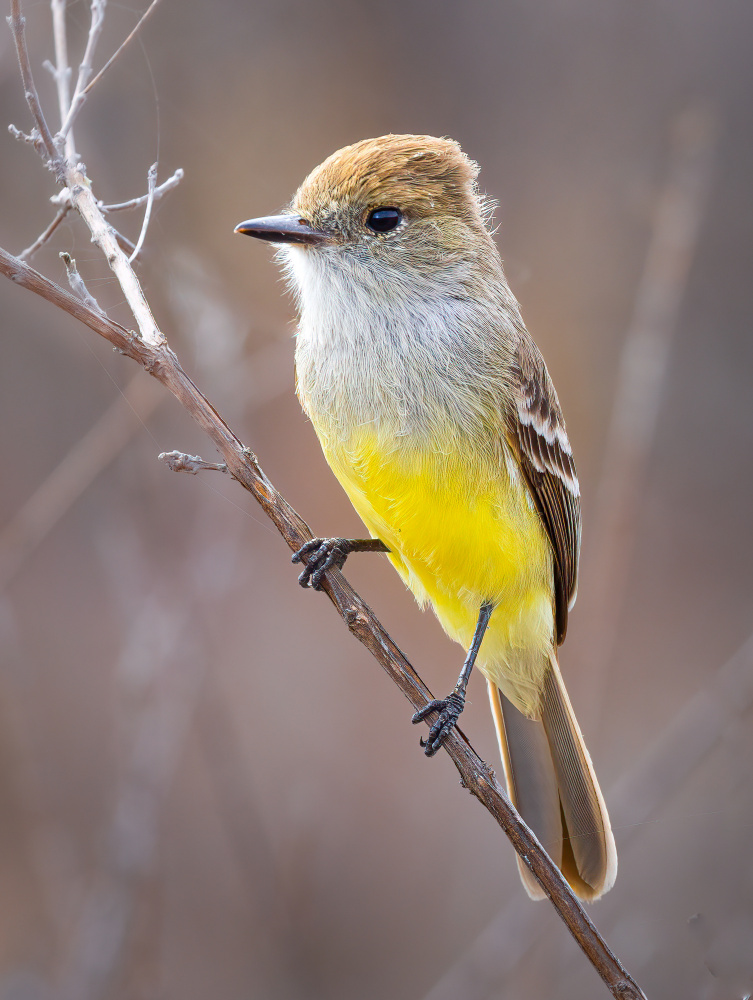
[407,203]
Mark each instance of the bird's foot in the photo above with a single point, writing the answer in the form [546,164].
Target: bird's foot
[321,554]
[449,712]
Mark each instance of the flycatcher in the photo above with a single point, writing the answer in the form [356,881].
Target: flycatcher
[436,413]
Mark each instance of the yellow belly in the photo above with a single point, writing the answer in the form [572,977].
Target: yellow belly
[462,530]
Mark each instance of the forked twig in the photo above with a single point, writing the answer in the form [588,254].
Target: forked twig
[159,191]
[80,96]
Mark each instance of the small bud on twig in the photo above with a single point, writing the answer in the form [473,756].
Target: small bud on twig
[77,283]
[178,461]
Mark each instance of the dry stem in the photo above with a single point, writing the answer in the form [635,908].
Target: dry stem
[151,183]
[40,241]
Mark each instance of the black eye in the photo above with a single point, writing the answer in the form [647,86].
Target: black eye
[382,220]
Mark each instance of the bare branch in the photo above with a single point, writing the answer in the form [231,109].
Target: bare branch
[475,774]
[159,191]
[178,461]
[18,26]
[40,241]
[151,183]
[85,70]
[80,96]
[77,283]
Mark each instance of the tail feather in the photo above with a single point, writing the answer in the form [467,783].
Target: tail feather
[552,783]
[531,780]
[592,867]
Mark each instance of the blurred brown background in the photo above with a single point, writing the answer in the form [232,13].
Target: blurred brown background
[192,804]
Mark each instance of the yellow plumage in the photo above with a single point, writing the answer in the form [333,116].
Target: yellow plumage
[461,529]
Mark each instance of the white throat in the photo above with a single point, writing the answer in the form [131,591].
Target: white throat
[391,347]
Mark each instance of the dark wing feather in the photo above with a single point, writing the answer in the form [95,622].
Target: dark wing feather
[539,439]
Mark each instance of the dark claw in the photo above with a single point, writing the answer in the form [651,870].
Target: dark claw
[449,712]
[323,554]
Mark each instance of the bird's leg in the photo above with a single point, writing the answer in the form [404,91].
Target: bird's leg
[320,554]
[450,708]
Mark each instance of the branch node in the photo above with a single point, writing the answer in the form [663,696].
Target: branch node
[62,198]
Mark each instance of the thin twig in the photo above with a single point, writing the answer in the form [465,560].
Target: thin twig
[159,191]
[77,283]
[123,242]
[80,97]
[18,26]
[85,68]
[475,774]
[40,241]
[178,461]
[151,183]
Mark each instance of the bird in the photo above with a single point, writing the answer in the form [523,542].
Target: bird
[435,411]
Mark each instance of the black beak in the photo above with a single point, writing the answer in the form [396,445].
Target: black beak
[282,229]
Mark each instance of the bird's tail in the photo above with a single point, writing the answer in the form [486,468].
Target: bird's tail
[552,784]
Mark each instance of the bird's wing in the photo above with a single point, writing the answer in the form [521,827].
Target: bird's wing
[536,431]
